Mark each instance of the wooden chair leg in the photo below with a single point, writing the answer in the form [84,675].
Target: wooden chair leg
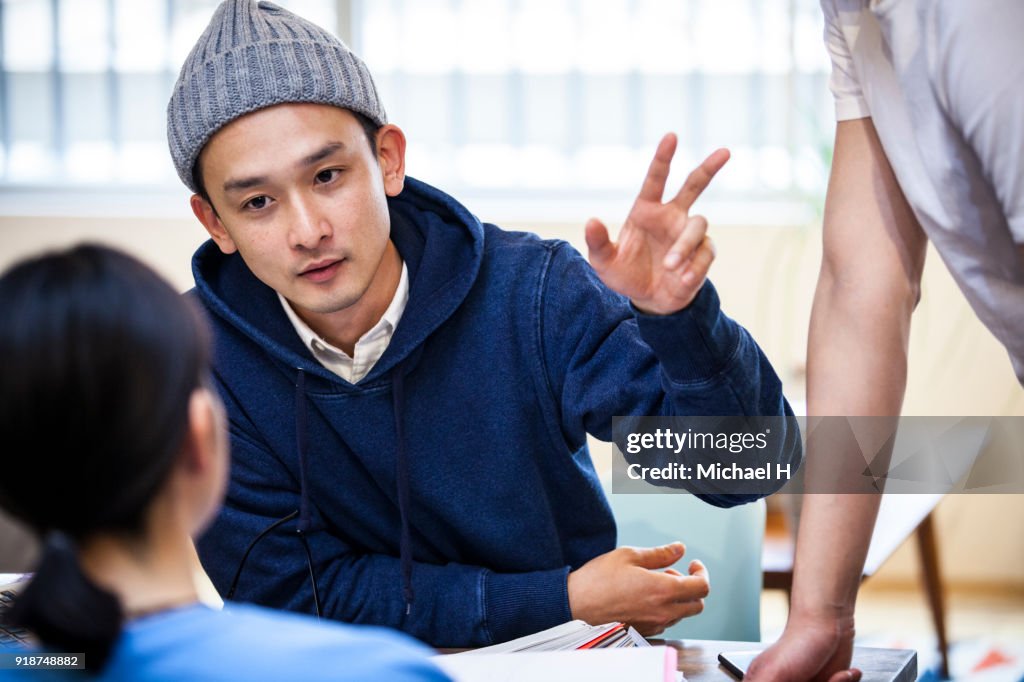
[925,535]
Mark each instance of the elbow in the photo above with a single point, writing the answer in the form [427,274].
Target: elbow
[867,292]
[728,500]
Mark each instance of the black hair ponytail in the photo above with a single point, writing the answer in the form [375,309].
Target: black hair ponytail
[65,609]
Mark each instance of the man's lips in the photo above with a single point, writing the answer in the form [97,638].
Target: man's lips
[321,270]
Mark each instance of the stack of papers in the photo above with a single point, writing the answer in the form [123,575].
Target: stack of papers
[571,651]
[569,636]
[647,664]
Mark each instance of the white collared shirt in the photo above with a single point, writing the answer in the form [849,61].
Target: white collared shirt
[370,346]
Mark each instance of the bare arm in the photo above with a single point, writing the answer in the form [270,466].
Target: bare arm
[867,289]
[857,349]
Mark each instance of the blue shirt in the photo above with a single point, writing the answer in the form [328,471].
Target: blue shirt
[252,643]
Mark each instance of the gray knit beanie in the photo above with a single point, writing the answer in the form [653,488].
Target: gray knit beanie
[254,55]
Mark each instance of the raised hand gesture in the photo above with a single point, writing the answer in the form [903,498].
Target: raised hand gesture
[663,253]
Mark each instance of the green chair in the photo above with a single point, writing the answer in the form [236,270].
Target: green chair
[728,541]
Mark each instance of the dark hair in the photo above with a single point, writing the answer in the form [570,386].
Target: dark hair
[100,357]
[370,129]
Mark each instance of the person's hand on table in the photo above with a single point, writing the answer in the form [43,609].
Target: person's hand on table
[817,648]
[663,253]
[625,585]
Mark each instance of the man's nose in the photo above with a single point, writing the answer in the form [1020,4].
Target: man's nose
[309,226]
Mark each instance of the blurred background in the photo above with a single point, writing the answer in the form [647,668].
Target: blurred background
[536,114]
[501,99]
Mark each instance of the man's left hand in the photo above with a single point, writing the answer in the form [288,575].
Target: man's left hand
[663,253]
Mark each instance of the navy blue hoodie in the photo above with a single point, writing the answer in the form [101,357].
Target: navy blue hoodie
[450,491]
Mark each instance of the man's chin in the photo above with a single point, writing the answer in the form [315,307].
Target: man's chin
[330,307]
[326,305]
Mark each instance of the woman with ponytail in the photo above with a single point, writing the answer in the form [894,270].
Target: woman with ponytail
[114,452]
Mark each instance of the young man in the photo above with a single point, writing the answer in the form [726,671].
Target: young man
[929,145]
[410,389]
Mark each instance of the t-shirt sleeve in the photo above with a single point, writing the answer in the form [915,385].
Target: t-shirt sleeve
[843,82]
[977,72]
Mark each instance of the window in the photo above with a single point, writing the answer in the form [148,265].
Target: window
[84,86]
[559,100]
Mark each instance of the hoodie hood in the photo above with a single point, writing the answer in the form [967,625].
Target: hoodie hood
[440,241]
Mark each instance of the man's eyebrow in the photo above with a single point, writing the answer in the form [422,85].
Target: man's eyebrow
[322,153]
[244,183]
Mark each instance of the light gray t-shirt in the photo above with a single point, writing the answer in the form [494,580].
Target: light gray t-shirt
[943,81]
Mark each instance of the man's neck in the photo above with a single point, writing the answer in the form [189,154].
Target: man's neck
[344,328]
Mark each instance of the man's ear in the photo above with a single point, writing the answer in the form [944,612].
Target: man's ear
[391,156]
[207,215]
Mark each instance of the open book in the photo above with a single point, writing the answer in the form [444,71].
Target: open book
[573,650]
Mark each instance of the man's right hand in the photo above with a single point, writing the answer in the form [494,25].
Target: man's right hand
[624,585]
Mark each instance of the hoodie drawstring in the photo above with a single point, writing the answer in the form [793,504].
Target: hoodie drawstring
[402,479]
[300,448]
[305,521]
[402,472]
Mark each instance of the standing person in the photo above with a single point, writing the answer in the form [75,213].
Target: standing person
[116,452]
[416,386]
[929,145]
